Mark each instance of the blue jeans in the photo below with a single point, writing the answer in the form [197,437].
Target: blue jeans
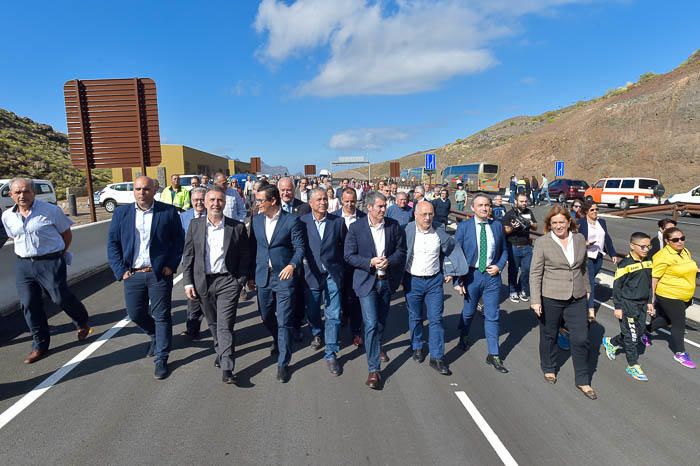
[482,286]
[330,294]
[460,205]
[544,194]
[593,266]
[276,304]
[31,276]
[519,258]
[375,309]
[156,319]
[426,291]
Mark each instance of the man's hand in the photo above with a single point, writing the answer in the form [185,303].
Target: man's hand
[167,271]
[448,279]
[537,308]
[591,314]
[615,259]
[190,293]
[492,270]
[461,290]
[383,263]
[651,310]
[618,314]
[287,272]
[378,262]
[126,275]
[251,284]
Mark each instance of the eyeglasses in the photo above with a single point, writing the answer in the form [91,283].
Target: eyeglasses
[593,210]
[677,240]
[643,247]
[575,206]
[260,201]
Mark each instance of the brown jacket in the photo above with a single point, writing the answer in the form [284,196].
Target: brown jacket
[551,276]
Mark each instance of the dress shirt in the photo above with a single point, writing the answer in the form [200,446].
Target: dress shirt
[333,204]
[426,254]
[39,233]
[349,219]
[214,257]
[490,243]
[235,207]
[142,239]
[270,224]
[321,228]
[597,235]
[379,241]
[569,249]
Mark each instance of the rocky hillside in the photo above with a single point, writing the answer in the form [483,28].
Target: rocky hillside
[649,128]
[35,150]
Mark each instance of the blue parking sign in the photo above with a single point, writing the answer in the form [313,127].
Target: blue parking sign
[430,162]
[559,168]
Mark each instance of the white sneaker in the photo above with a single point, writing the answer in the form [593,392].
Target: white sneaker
[514,297]
[524,297]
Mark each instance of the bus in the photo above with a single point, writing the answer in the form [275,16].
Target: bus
[482,176]
[417,175]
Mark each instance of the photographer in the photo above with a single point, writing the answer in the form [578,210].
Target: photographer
[518,223]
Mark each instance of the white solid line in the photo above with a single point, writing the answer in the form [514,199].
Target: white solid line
[24,402]
[490,435]
[690,342]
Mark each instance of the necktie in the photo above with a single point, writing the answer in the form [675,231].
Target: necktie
[483,247]
[287,208]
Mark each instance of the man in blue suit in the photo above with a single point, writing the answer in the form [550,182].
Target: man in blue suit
[144,249]
[277,242]
[484,244]
[376,249]
[194,306]
[323,273]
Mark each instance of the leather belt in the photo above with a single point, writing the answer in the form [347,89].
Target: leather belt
[53,255]
[142,269]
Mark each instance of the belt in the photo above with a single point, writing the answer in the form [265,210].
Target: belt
[142,269]
[426,277]
[53,255]
[217,275]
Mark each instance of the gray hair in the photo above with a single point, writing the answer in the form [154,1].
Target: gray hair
[217,189]
[419,189]
[26,181]
[198,189]
[401,194]
[372,197]
[478,195]
[318,190]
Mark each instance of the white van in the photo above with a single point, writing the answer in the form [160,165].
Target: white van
[43,188]
[623,191]
[691,197]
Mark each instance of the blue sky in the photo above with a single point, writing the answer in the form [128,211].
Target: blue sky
[305,81]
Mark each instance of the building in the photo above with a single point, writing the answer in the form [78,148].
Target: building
[183,160]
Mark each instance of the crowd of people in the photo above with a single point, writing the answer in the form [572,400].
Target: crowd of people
[323,255]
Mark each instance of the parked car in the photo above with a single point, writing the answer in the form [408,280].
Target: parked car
[116,194]
[690,197]
[43,188]
[565,189]
[623,191]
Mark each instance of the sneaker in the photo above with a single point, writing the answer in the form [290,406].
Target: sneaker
[684,360]
[514,298]
[610,349]
[637,373]
[563,341]
[646,340]
[524,297]
[480,308]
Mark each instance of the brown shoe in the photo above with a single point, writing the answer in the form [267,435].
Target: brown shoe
[588,391]
[35,355]
[374,381]
[84,332]
[383,357]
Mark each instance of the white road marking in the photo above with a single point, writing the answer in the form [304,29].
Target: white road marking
[23,403]
[490,435]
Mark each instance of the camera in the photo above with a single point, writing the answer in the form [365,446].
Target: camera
[520,222]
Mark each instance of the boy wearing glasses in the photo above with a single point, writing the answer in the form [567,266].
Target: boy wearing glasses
[633,300]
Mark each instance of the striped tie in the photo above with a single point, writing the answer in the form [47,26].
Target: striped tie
[483,247]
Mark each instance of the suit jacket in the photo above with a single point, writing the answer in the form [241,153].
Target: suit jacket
[609,247]
[285,248]
[236,247]
[300,208]
[359,249]
[167,239]
[466,237]
[327,251]
[452,260]
[358,213]
[551,276]
[186,217]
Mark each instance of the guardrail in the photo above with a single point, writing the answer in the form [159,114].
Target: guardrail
[89,248]
[676,209]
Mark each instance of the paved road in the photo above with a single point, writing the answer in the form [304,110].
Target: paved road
[110,410]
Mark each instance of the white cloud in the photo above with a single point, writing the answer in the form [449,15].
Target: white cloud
[366,138]
[383,47]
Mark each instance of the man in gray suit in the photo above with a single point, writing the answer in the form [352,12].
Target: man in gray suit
[216,261]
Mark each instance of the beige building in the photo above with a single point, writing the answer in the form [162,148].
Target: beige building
[183,160]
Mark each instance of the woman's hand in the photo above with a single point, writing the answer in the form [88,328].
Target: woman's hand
[591,315]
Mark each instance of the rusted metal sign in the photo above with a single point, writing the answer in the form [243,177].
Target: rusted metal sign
[309,169]
[394,169]
[255,165]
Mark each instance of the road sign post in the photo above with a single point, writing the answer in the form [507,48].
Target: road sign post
[430,162]
[559,169]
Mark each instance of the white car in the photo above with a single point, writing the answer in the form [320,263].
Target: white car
[691,197]
[116,194]
[43,188]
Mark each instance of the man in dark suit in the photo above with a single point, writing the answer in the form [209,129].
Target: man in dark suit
[144,249]
[376,249]
[194,306]
[216,262]
[351,304]
[323,272]
[277,243]
[484,244]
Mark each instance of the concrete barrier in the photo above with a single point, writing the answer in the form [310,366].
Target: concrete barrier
[89,248]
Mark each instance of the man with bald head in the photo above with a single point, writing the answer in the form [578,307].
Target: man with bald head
[42,235]
[144,249]
[400,211]
[291,204]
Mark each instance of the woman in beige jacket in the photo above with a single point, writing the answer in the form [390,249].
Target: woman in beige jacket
[560,289]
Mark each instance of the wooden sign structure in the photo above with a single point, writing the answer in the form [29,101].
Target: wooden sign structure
[394,169]
[112,123]
[309,170]
[255,165]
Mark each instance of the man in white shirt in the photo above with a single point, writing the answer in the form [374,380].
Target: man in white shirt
[235,206]
[194,306]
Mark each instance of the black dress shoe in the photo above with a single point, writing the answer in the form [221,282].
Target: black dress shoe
[419,355]
[440,366]
[464,343]
[274,349]
[333,366]
[151,348]
[495,361]
[229,378]
[283,374]
[161,370]
[217,363]
[316,343]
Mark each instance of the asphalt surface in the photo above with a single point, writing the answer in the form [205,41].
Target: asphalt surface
[110,410]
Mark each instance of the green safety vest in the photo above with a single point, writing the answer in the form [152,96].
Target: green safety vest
[180,199]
